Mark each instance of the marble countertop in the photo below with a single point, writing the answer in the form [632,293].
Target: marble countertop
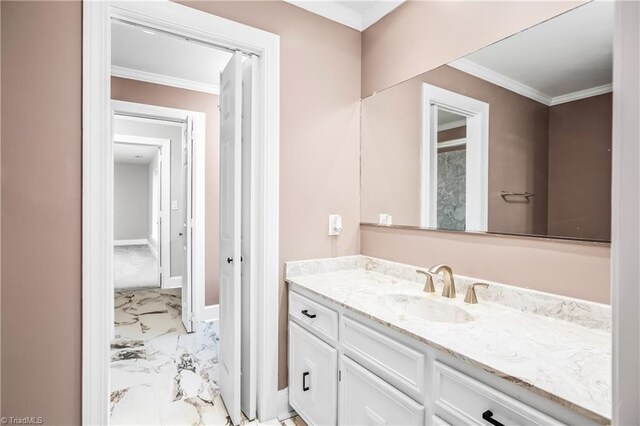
[562,357]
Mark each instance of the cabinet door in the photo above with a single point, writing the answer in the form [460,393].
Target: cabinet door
[365,399]
[313,377]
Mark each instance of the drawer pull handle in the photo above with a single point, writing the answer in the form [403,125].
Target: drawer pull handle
[304,381]
[307,314]
[488,416]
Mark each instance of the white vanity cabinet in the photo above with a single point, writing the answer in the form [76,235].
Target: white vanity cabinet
[348,370]
[313,370]
[365,399]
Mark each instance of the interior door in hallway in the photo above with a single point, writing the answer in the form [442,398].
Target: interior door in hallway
[230,234]
[187,226]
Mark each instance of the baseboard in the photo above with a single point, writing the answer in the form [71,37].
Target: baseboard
[153,249]
[284,409]
[174,282]
[211,313]
[140,242]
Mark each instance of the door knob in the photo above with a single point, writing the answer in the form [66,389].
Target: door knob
[229,259]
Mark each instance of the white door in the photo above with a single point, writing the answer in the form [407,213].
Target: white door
[156,213]
[230,234]
[187,226]
[248,312]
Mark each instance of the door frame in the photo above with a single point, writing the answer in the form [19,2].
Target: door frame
[165,178]
[625,217]
[97,186]
[477,161]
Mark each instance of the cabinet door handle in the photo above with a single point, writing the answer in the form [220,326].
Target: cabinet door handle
[304,381]
[488,416]
[307,314]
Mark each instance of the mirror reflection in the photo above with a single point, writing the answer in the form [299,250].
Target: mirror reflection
[514,138]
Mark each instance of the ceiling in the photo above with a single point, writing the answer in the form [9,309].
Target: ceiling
[557,61]
[358,15]
[449,120]
[133,154]
[145,55]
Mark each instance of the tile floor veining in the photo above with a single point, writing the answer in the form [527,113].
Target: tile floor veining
[160,375]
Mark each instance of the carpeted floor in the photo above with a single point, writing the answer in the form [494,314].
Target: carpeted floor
[134,267]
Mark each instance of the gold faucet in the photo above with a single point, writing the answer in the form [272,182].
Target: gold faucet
[470,296]
[449,289]
[428,284]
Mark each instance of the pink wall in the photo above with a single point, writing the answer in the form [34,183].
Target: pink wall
[172,97]
[574,269]
[422,35]
[391,128]
[41,210]
[391,138]
[580,168]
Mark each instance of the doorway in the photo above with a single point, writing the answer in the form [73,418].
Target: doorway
[141,199]
[455,141]
[167,17]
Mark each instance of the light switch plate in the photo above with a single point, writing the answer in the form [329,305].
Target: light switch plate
[174,205]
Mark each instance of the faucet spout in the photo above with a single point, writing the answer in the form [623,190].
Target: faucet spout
[449,288]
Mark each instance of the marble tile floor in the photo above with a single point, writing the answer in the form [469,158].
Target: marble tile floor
[160,375]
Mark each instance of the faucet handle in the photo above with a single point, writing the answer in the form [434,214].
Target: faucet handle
[470,296]
[428,285]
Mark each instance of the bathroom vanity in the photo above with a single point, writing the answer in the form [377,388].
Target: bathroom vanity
[368,346]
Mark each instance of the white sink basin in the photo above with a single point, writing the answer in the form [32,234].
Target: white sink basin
[427,308]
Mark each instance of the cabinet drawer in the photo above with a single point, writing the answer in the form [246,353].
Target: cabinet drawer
[437,421]
[366,399]
[313,316]
[313,373]
[463,400]
[400,365]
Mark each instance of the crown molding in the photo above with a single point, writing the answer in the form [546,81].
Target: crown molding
[164,80]
[379,11]
[337,12]
[479,71]
[582,94]
[498,79]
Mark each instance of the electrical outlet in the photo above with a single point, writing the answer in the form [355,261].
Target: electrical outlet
[335,224]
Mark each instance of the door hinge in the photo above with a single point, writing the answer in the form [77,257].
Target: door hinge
[339,375]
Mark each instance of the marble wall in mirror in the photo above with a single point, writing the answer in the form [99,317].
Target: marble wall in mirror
[513,138]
